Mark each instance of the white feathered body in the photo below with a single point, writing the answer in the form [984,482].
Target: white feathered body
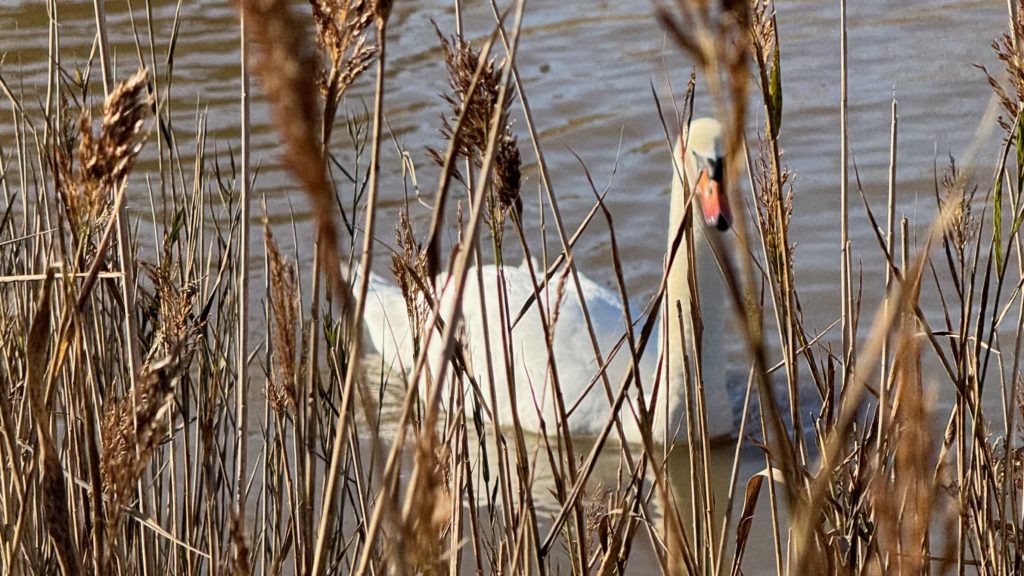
[527,352]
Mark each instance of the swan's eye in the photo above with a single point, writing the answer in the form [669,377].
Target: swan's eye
[715,169]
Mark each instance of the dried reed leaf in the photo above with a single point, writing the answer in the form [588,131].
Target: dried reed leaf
[53,488]
[751,495]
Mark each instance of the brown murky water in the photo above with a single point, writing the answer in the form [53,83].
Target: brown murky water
[588,68]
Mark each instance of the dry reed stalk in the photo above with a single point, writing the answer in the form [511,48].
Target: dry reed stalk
[104,162]
[289,71]
[565,256]
[721,42]
[240,550]
[478,102]
[776,208]
[454,149]
[890,221]
[635,348]
[844,209]
[566,242]
[242,353]
[115,98]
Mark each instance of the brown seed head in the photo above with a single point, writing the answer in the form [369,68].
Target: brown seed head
[132,428]
[284,303]
[104,160]
[342,27]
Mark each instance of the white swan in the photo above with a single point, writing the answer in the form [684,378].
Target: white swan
[701,159]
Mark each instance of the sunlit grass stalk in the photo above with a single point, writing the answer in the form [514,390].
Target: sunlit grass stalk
[383,9]
[844,186]
[890,223]
[242,354]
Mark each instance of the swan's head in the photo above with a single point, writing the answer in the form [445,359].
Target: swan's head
[703,159]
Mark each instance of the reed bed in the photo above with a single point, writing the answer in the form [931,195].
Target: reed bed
[146,429]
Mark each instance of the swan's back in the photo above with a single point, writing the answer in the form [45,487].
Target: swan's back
[527,351]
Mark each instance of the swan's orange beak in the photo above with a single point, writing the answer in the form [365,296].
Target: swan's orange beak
[713,199]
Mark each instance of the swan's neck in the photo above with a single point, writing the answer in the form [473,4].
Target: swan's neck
[677,332]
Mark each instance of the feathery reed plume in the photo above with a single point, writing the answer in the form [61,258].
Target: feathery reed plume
[770,204]
[106,158]
[461,60]
[409,266]
[177,328]
[341,32]
[480,102]
[508,174]
[1009,52]
[288,68]
[764,34]
[959,196]
[284,304]
[132,428]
